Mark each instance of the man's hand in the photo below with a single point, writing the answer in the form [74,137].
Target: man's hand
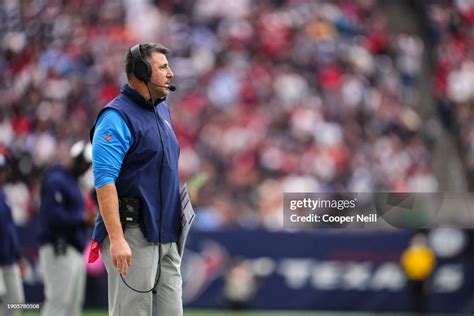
[121,255]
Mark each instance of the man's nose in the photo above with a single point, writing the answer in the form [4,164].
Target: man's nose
[170,74]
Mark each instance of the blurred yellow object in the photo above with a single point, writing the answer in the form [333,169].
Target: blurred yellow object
[196,182]
[418,262]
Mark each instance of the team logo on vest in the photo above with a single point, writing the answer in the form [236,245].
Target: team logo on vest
[108,137]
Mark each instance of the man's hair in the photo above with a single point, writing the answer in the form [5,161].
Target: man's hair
[145,50]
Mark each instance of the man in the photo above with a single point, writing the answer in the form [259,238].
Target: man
[63,233]
[11,287]
[135,164]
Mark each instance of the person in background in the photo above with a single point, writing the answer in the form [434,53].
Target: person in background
[63,233]
[240,287]
[11,287]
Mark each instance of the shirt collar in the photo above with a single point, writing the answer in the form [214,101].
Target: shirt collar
[137,97]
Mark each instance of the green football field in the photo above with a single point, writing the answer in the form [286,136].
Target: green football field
[260,313]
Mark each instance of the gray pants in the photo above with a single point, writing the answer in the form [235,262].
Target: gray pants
[142,276]
[11,289]
[64,281]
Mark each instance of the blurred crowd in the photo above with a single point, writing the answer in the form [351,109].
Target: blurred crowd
[452,33]
[273,96]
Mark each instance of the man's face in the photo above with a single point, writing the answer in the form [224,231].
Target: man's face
[161,74]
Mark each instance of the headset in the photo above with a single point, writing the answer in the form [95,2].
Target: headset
[141,66]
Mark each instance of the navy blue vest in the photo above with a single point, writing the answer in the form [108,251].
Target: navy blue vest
[149,170]
[62,209]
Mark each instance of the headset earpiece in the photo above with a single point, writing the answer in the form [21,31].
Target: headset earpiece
[141,67]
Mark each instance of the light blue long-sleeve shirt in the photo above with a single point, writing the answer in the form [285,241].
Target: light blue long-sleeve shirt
[111,142]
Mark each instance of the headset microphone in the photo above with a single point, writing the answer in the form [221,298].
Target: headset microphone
[170,87]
